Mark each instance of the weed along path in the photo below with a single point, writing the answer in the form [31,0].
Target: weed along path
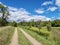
[30,38]
[14,40]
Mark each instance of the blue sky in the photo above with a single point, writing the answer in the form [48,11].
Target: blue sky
[33,9]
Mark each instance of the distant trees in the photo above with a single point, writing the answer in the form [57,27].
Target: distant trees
[39,24]
[56,23]
[13,24]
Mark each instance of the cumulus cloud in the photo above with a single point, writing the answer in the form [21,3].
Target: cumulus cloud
[58,2]
[12,8]
[16,14]
[39,17]
[22,14]
[39,11]
[47,3]
[0,14]
[52,8]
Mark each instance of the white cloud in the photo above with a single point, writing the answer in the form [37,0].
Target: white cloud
[22,14]
[58,2]
[16,14]
[0,14]
[52,8]
[0,2]
[39,17]
[12,8]
[47,3]
[39,11]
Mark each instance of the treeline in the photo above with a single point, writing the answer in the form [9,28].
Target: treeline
[55,23]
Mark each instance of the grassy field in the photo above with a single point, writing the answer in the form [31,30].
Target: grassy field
[22,39]
[5,35]
[43,35]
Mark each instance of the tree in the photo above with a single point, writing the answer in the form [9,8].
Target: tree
[56,23]
[5,13]
[49,25]
[39,25]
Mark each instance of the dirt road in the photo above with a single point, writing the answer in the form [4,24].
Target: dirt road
[14,40]
[30,38]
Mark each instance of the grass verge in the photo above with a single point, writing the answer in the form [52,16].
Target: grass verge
[5,35]
[22,39]
[39,37]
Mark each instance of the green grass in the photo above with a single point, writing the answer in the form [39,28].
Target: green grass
[39,37]
[5,35]
[22,39]
[55,35]
[51,37]
[43,31]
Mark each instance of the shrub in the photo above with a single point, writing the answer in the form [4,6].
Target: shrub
[49,27]
[42,31]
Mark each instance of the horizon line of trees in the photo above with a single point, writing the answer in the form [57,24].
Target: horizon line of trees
[55,23]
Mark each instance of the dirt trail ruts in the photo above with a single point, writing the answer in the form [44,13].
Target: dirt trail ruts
[14,40]
[30,38]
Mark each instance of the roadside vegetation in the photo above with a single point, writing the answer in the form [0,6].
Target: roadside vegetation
[46,37]
[22,39]
[6,35]
[45,32]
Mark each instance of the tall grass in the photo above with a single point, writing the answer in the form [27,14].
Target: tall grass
[38,37]
[53,37]
[5,35]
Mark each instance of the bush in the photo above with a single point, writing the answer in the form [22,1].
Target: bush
[43,31]
[49,27]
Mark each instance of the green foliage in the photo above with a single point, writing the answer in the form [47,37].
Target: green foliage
[39,37]
[43,31]
[52,35]
[39,24]
[13,24]
[56,23]
[3,22]
[49,27]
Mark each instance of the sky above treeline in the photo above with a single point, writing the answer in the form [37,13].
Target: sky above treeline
[32,9]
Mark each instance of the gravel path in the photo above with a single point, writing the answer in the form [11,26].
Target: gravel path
[14,40]
[30,38]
